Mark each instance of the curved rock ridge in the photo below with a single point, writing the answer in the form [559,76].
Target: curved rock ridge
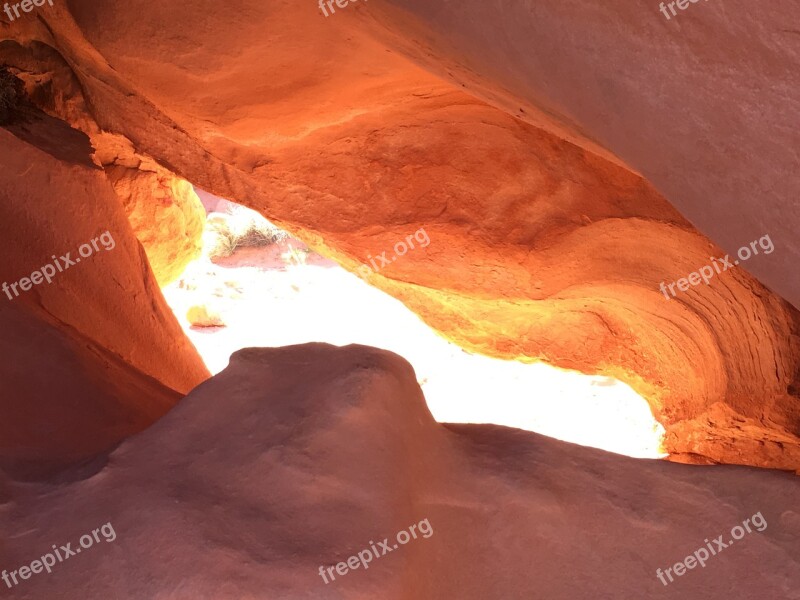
[545,245]
[702,104]
[297,458]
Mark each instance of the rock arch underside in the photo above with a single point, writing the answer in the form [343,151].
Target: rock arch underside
[565,159]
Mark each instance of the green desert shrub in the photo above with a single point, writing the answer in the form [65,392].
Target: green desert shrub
[240,227]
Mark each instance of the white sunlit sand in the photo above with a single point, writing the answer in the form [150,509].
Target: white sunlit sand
[264,302]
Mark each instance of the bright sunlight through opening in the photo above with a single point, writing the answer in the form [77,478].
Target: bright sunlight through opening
[255,286]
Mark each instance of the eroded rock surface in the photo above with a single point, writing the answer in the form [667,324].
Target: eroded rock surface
[166,215]
[301,457]
[91,352]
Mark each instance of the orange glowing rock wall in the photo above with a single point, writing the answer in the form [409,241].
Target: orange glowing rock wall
[521,156]
[91,353]
[166,215]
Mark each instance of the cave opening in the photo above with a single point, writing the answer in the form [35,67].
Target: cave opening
[254,285]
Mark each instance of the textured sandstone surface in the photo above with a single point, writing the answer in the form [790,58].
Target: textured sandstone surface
[166,215]
[246,488]
[65,398]
[545,243]
[703,105]
[108,298]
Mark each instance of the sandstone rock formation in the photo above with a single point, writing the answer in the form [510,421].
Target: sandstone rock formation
[300,457]
[92,353]
[66,399]
[550,201]
[702,105]
[166,215]
[564,160]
